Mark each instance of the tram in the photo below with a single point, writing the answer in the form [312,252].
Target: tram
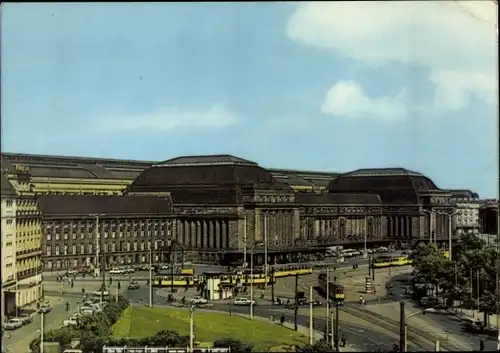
[335,290]
[391,261]
[242,277]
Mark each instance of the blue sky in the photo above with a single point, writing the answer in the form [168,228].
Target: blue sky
[332,86]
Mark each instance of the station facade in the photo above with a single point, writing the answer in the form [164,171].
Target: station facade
[221,208]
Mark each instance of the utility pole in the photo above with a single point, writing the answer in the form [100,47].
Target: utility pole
[172,263]
[369,266]
[471,293]
[336,336]
[402,336]
[245,240]
[150,278]
[327,302]
[42,325]
[477,283]
[311,323]
[191,328]
[296,308]
[97,243]
[265,248]
[332,324]
[272,284]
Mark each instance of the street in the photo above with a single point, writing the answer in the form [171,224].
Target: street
[359,336]
[448,324]
[17,341]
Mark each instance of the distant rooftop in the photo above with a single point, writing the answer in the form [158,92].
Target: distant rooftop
[218,159]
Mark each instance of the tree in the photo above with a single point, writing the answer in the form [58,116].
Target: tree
[167,338]
[318,347]
[235,345]
[469,275]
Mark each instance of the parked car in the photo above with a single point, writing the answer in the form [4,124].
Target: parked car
[116,271]
[71,322]
[26,318]
[129,270]
[133,285]
[13,324]
[243,302]
[198,300]
[99,293]
[44,309]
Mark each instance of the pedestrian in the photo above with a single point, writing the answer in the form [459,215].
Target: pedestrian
[282,319]
[481,345]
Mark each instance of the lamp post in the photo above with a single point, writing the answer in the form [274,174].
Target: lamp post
[365,253]
[251,277]
[172,264]
[450,230]
[404,327]
[97,242]
[191,327]
[265,249]
[150,277]
[432,234]
[42,325]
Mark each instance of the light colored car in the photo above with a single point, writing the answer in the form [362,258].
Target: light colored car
[243,301]
[26,318]
[13,324]
[87,311]
[45,309]
[71,322]
[117,271]
[198,300]
[98,293]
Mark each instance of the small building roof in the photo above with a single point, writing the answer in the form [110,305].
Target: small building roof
[7,190]
[85,205]
[462,193]
[208,160]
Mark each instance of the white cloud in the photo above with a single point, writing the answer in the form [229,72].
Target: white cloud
[171,118]
[347,99]
[456,42]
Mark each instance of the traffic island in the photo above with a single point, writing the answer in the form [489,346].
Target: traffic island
[139,322]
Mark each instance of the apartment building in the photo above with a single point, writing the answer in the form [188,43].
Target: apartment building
[8,236]
[466,216]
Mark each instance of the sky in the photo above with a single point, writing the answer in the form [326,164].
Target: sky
[331,86]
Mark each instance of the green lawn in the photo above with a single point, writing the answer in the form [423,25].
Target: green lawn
[209,327]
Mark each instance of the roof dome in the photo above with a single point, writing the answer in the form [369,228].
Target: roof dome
[394,185]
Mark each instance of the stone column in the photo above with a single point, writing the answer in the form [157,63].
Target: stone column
[199,243]
[275,229]
[180,233]
[205,234]
[408,227]
[316,228]
[217,234]
[224,234]
[211,236]
[193,234]
[187,233]
[259,236]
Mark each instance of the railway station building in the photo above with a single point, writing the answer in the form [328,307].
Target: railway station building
[221,208]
